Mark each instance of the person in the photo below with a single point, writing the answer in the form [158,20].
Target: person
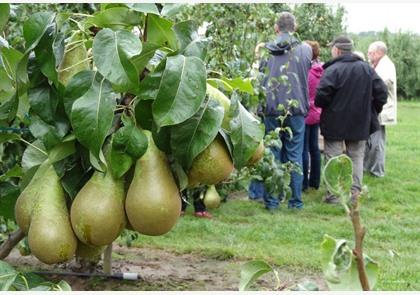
[348,91]
[374,161]
[200,209]
[311,146]
[290,61]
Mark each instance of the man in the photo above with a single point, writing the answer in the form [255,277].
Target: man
[286,80]
[375,147]
[348,93]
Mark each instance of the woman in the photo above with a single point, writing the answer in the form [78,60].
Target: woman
[311,148]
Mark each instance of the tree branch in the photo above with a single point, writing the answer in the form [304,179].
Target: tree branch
[12,241]
[359,234]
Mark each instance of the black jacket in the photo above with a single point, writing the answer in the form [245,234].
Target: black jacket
[351,95]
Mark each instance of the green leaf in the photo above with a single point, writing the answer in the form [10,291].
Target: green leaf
[251,271]
[130,139]
[119,162]
[162,138]
[246,132]
[8,196]
[45,56]
[144,7]
[35,28]
[92,114]
[50,135]
[143,113]
[189,42]
[5,137]
[77,87]
[112,52]
[43,102]
[62,151]
[8,108]
[337,175]
[4,15]
[191,137]
[159,31]
[149,87]
[34,155]
[7,276]
[243,85]
[16,171]
[171,9]
[340,266]
[140,61]
[181,92]
[116,18]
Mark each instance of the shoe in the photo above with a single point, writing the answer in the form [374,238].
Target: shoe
[331,199]
[203,214]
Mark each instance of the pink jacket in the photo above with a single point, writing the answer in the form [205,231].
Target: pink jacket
[315,74]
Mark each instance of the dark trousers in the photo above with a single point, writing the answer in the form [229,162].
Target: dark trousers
[195,196]
[311,153]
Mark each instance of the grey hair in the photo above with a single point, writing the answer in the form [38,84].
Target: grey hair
[286,22]
[379,46]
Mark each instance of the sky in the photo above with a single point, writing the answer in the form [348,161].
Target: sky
[375,16]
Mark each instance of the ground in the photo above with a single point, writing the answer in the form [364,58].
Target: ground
[165,270]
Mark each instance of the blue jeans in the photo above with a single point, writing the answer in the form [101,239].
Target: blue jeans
[292,149]
[311,150]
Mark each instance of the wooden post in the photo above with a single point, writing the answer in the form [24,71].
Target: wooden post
[108,260]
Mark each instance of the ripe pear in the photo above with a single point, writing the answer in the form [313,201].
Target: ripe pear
[212,198]
[153,203]
[212,165]
[258,154]
[97,212]
[74,59]
[30,195]
[50,236]
[217,95]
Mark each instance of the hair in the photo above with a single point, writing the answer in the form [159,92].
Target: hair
[286,22]
[315,48]
[379,46]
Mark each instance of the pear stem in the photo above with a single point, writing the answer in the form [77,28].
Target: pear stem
[12,241]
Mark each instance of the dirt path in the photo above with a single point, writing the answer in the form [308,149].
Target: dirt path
[163,270]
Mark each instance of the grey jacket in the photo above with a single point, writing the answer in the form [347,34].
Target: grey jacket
[287,75]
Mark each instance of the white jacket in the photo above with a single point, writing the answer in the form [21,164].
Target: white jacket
[386,70]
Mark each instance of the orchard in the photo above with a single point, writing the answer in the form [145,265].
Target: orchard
[108,112]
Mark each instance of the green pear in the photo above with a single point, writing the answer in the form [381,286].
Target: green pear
[217,95]
[30,195]
[212,165]
[50,236]
[88,252]
[212,198]
[153,203]
[257,155]
[97,212]
[74,59]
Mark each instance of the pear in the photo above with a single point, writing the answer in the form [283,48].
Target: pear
[153,203]
[74,59]
[212,165]
[50,236]
[30,195]
[217,95]
[212,198]
[257,155]
[97,212]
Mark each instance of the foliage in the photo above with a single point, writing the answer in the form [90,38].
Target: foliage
[12,280]
[403,48]
[87,86]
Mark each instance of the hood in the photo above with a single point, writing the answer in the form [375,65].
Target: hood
[317,70]
[347,57]
[282,44]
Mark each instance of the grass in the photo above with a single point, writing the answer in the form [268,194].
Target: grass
[242,229]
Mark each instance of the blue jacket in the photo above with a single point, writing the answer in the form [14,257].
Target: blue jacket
[287,76]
